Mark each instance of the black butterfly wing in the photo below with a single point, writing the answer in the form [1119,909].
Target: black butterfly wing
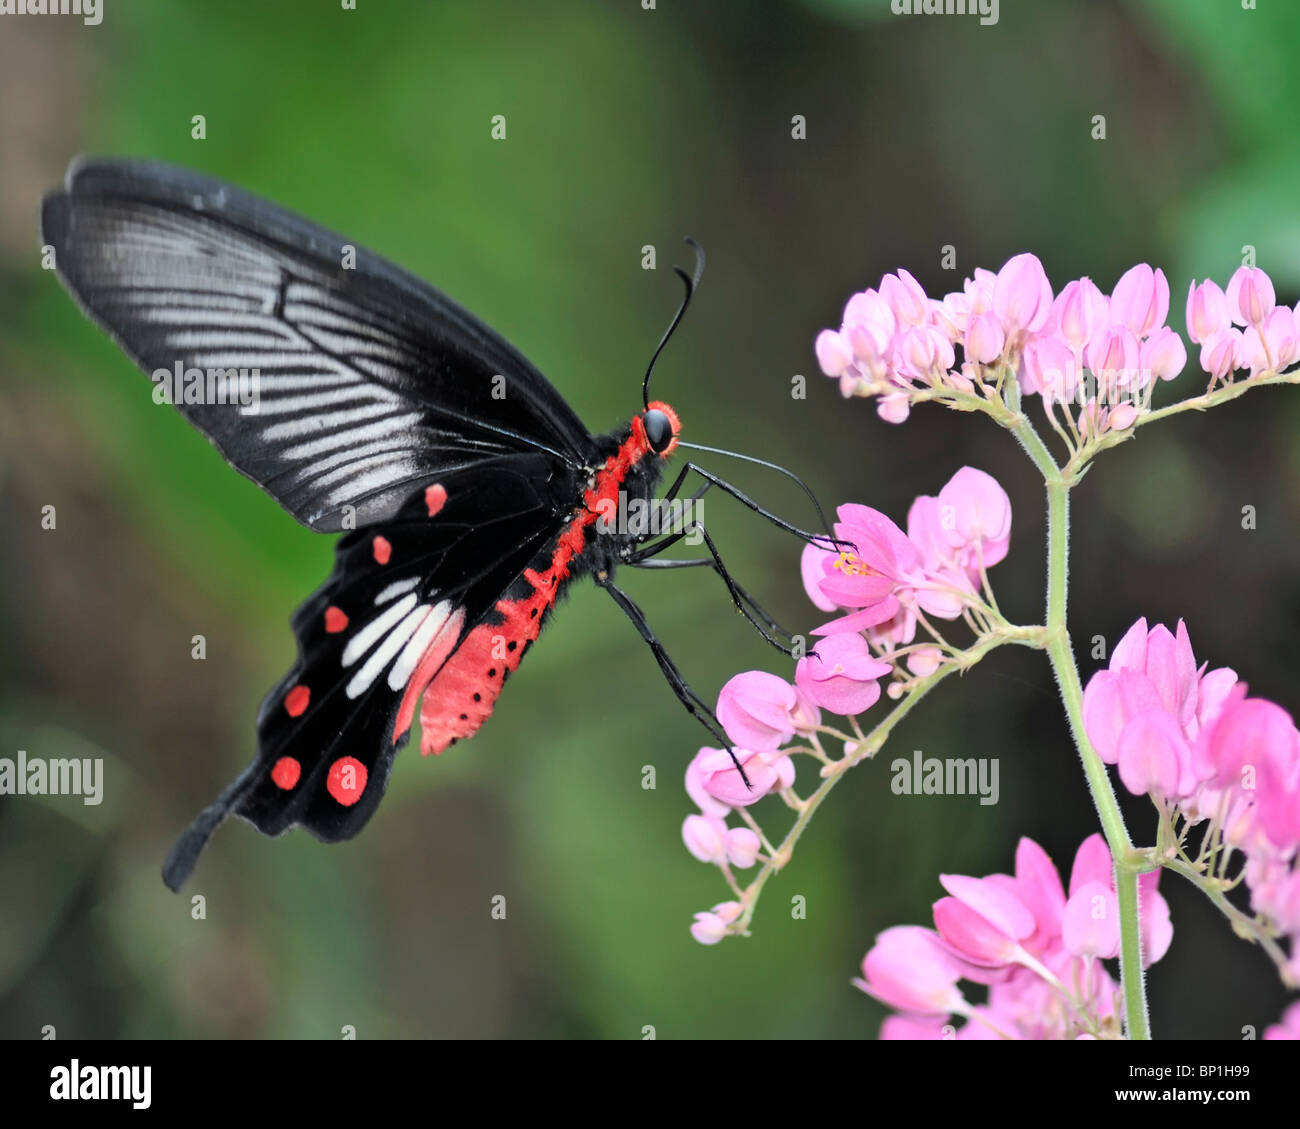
[381,407]
[402,599]
[369,382]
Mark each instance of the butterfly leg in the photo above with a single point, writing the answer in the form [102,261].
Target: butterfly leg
[750,608]
[822,540]
[694,704]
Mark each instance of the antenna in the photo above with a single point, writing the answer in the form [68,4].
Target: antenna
[691,283]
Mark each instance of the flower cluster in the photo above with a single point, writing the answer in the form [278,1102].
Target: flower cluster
[883,588]
[1039,950]
[1222,768]
[1205,751]
[1103,353]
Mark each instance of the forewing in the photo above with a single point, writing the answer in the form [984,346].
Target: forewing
[361,382]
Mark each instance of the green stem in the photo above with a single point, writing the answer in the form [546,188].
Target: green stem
[1061,654]
[1243,925]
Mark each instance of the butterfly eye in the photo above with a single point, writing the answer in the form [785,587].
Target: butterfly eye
[658,430]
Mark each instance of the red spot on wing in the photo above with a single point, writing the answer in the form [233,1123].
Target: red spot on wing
[383,550]
[440,646]
[295,701]
[286,772]
[336,620]
[435,497]
[346,780]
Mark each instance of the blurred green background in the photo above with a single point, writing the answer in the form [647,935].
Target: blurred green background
[625,127]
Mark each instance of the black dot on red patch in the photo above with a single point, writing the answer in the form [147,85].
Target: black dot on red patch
[335,620]
[511,645]
[435,497]
[492,673]
[346,780]
[478,697]
[286,772]
[383,550]
[295,701]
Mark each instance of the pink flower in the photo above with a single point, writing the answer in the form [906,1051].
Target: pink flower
[906,298]
[982,922]
[743,846]
[984,339]
[1155,926]
[833,352]
[1090,924]
[705,837]
[870,325]
[1140,300]
[1081,310]
[1248,733]
[1207,311]
[869,578]
[806,715]
[710,927]
[1022,297]
[767,772]
[883,558]
[695,780]
[710,840]
[1050,367]
[1271,346]
[1038,886]
[841,674]
[907,968]
[755,709]
[812,566]
[1112,355]
[981,515]
[1153,755]
[1144,712]
[925,661]
[1163,354]
[914,1028]
[1250,296]
[1219,353]
[1003,932]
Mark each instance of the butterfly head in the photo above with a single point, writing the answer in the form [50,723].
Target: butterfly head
[660,427]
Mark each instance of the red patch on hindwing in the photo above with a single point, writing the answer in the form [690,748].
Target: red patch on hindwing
[440,646]
[464,692]
[383,550]
[336,620]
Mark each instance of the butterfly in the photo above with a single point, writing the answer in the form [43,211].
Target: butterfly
[366,402]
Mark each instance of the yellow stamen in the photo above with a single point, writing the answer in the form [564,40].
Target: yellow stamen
[853,566]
